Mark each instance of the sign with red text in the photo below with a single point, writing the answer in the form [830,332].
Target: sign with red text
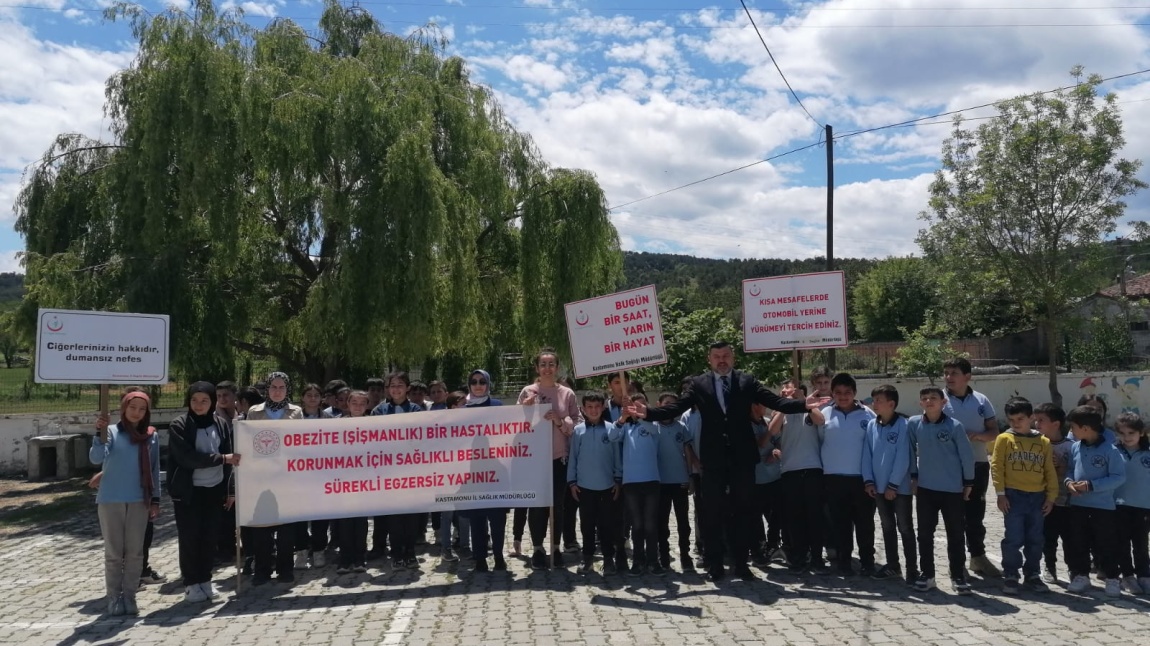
[79,347]
[616,332]
[348,467]
[799,312]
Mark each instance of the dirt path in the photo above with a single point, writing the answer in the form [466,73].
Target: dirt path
[24,504]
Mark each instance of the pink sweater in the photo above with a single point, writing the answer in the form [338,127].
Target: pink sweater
[563,401]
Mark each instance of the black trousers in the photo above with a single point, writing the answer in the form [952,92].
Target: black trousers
[539,517]
[148,534]
[803,490]
[274,548]
[380,528]
[1056,527]
[198,531]
[674,496]
[570,514]
[852,513]
[727,504]
[975,510]
[404,530]
[518,523]
[769,498]
[1093,531]
[597,520]
[897,518]
[226,545]
[352,539]
[302,539]
[952,507]
[318,535]
[642,499]
[1133,529]
[487,523]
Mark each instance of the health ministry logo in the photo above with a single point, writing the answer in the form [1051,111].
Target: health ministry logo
[266,442]
[582,318]
[54,325]
[755,290]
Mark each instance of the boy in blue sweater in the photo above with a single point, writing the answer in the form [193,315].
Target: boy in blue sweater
[842,437]
[768,490]
[942,475]
[886,476]
[675,453]
[1133,499]
[1096,470]
[640,440]
[594,475]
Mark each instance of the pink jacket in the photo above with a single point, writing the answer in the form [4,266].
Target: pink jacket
[563,401]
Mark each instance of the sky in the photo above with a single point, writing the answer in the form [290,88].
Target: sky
[654,95]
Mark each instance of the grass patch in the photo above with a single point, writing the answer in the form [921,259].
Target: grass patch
[19,394]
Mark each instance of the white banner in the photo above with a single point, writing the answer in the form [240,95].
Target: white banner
[101,348]
[471,458]
[798,312]
[616,332]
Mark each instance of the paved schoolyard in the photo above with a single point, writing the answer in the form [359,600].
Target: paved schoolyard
[51,587]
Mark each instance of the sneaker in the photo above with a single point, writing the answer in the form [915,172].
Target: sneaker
[778,556]
[301,560]
[1036,584]
[500,564]
[449,556]
[571,548]
[867,570]
[249,564]
[398,564]
[130,607]
[558,558]
[210,591]
[924,583]
[886,572]
[1144,583]
[1010,586]
[465,553]
[609,569]
[636,570]
[982,566]
[343,569]
[701,563]
[1130,585]
[1050,576]
[1079,584]
[539,560]
[194,594]
[517,548]
[588,567]
[116,606]
[480,566]
[152,577]
[911,577]
[658,570]
[1113,589]
[318,560]
[961,585]
[820,567]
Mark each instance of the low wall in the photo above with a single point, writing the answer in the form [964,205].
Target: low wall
[16,429]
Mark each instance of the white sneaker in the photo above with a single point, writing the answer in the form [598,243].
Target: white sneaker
[210,591]
[1130,585]
[194,594]
[301,560]
[318,560]
[1112,588]
[1079,584]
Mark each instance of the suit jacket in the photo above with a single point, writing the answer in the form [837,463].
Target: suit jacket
[726,438]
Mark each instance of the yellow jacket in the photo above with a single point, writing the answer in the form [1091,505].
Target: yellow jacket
[1024,463]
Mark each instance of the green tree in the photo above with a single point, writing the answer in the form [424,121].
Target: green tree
[1027,198]
[9,341]
[330,204]
[923,356]
[896,293]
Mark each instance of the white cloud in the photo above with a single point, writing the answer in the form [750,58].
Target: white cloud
[262,9]
[9,262]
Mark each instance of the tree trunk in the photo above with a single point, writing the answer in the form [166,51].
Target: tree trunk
[1051,328]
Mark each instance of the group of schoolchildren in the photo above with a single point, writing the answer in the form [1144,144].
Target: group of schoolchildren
[821,478]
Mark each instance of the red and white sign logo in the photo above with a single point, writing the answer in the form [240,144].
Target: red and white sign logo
[266,442]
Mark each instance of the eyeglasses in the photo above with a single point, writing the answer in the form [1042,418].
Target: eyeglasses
[478,382]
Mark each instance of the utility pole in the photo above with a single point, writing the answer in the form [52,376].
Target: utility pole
[830,217]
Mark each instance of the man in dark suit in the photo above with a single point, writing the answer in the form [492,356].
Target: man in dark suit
[727,450]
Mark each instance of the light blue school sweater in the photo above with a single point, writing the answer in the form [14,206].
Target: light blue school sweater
[886,455]
[121,465]
[767,472]
[594,462]
[640,442]
[1135,492]
[1101,465]
[842,438]
[941,457]
[673,437]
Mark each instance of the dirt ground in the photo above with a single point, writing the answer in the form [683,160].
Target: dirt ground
[23,504]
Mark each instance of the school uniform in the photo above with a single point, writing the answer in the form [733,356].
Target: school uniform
[595,466]
[886,465]
[972,410]
[1093,515]
[769,493]
[402,529]
[841,441]
[943,464]
[801,466]
[273,546]
[640,459]
[199,483]
[1132,500]
[674,477]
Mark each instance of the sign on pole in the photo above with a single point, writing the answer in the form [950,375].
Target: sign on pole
[470,458]
[101,348]
[616,332]
[799,312]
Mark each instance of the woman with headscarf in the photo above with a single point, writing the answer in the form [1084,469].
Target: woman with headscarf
[128,497]
[200,484]
[273,545]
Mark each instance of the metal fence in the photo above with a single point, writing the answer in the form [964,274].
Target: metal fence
[20,394]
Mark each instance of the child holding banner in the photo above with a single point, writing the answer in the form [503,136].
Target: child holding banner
[351,533]
[484,523]
[314,536]
[402,528]
[564,416]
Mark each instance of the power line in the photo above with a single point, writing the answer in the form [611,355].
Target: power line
[768,7]
[776,63]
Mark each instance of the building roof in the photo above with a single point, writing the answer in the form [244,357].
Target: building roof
[1136,287]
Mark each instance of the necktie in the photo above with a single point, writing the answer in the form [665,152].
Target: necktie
[726,390]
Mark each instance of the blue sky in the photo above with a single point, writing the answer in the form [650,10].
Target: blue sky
[653,95]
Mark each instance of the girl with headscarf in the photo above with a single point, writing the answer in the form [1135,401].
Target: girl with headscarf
[128,498]
[200,484]
[273,545]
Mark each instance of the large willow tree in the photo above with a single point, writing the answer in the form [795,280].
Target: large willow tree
[337,202]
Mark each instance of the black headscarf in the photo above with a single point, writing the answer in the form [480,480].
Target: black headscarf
[281,404]
[209,389]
